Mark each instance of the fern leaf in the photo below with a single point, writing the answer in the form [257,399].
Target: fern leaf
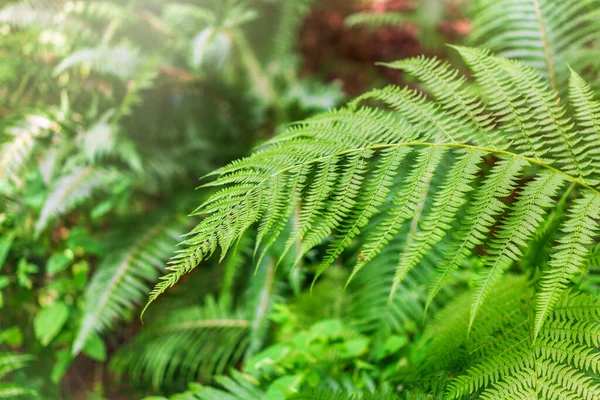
[27,13]
[10,362]
[12,391]
[374,194]
[376,21]
[587,114]
[542,33]
[518,228]
[480,216]
[405,204]
[427,118]
[445,206]
[556,366]
[69,191]
[184,345]
[121,279]
[15,154]
[337,172]
[122,61]
[532,109]
[291,14]
[324,394]
[239,386]
[370,310]
[570,255]
[507,104]
[450,90]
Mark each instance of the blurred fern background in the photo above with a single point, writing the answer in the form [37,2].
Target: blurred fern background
[111,111]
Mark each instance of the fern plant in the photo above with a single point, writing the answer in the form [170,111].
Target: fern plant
[467,170]
[9,363]
[546,34]
[343,163]
[500,358]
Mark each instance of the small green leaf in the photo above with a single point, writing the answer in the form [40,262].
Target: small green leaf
[58,262]
[49,321]
[395,343]
[355,347]
[24,268]
[12,336]
[330,327]
[63,361]
[282,387]
[4,282]
[95,348]
[80,274]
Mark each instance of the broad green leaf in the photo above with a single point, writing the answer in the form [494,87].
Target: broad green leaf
[58,262]
[95,348]
[49,321]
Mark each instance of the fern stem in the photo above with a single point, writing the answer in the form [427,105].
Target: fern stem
[544,37]
[452,145]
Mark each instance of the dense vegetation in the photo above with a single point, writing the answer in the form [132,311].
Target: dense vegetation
[433,239]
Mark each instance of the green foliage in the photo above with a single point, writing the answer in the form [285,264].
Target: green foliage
[105,109]
[353,178]
[500,358]
[176,347]
[432,241]
[8,363]
[545,34]
[135,257]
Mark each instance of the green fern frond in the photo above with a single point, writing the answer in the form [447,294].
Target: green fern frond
[376,21]
[99,10]
[121,61]
[16,153]
[69,191]
[135,258]
[446,203]
[10,362]
[537,120]
[184,345]
[187,17]
[368,307]
[337,170]
[238,386]
[518,228]
[451,91]
[12,391]
[500,359]
[587,115]
[291,15]
[405,202]
[570,255]
[542,33]
[562,363]
[27,13]
[593,259]
[481,213]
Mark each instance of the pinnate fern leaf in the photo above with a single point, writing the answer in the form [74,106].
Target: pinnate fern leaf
[134,259]
[187,344]
[542,33]
[69,191]
[339,170]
